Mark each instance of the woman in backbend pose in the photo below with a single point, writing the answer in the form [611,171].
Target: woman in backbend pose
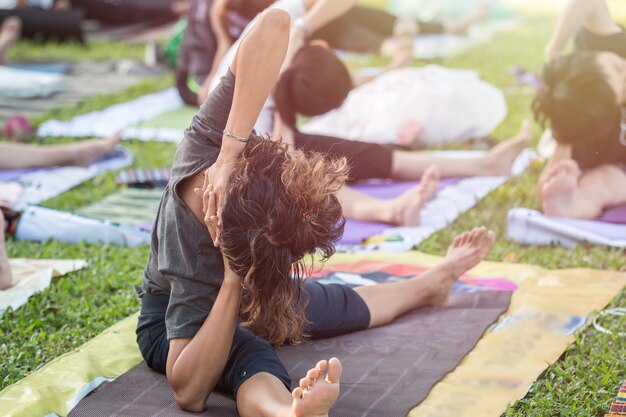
[582,100]
[235,224]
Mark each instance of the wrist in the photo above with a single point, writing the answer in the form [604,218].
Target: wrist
[231,149]
[302,27]
[232,281]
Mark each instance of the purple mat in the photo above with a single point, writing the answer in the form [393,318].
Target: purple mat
[386,371]
[614,215]
[13,175]
[356,232]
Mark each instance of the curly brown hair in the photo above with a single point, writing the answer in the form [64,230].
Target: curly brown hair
[280,207]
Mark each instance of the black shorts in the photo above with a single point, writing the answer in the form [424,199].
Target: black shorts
[589,41]
[366,160]
[364,29]
[332,310]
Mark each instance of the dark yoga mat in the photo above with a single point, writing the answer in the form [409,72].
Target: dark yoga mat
[386,371]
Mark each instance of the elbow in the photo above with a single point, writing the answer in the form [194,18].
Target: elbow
[275,20]
[190,403]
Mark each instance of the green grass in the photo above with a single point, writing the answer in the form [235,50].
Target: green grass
[77,307]
[26,50]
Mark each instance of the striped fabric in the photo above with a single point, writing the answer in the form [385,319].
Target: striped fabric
[618,408]
[152,178]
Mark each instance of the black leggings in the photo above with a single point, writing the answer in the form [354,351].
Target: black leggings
[364,29]
[366,160]
[589,41]
[331,310]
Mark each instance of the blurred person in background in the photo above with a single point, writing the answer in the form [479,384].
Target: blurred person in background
[582,100]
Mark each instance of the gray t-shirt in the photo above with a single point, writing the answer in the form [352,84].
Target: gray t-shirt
[183,261]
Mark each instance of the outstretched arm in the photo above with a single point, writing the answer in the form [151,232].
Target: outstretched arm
[195,365]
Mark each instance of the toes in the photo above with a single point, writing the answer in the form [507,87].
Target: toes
[305,383]
[478,234]
[571,167]
[431,173]
[334,370]
[297,393]
[491,238]
[313,374]
[321,367]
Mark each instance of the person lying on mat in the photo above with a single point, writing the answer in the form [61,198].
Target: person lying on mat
[235,225]
[582,100]
[214,25]
[22,155]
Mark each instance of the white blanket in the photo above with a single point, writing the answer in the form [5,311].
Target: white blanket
[121,117]
[32,276]
[531,227]
[44,184]
[40,224]
[16,83]
[429,106]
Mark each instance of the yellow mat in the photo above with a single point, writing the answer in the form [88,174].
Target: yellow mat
[545,311]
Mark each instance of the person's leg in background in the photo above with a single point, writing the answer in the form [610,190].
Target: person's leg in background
[9,34]
[366,30]
[370,160]
[404,210]
[592,16]
[83,153]
[568,192]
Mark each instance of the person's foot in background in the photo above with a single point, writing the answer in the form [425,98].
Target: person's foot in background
[9,34]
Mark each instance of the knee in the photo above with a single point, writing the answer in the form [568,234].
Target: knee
[275,20]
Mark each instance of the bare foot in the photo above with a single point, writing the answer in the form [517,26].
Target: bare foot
[9,34]
[499,160]
[6,277]
[318,391]
[461,25]
[405,210]
[466,251]
[85,153]
[557,188]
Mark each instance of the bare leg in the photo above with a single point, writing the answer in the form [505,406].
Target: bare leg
[9,34]
[594,15]
[566,192]
[461,25]
[6,278]
[387,302]
[498,161]
[19,155]
[402,211]
[263,395]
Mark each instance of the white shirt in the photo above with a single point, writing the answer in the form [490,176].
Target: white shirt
[265,122]
[429,105]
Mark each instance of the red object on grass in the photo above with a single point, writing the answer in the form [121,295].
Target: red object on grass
[18,128]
